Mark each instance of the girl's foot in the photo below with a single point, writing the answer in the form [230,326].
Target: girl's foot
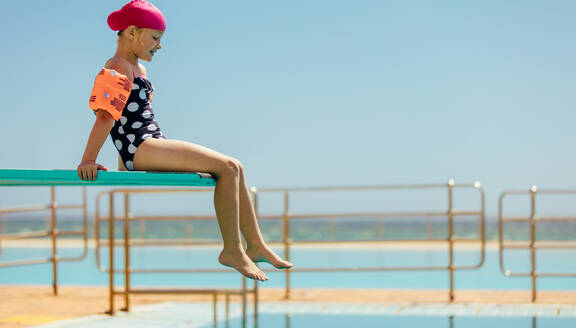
[241,262]
[265,254]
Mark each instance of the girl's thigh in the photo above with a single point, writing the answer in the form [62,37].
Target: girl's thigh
[175,155]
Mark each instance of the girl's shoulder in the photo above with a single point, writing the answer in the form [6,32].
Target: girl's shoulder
[142,70]
[120,65]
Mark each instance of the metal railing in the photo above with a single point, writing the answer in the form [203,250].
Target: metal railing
[128,242]
[533,245]
[51,231]
[450,214]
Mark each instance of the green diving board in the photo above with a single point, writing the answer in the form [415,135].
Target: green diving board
[30,177]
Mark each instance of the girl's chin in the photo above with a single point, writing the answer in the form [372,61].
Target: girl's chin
[146,57]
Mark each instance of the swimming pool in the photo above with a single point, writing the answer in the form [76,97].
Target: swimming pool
[346,321]
[487,277]
[337,315]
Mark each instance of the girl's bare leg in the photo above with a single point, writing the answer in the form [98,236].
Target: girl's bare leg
[174,155]
[257,249]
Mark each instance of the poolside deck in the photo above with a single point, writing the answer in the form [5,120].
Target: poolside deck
[26,306]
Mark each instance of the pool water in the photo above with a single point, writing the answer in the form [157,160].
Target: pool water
[335,315]
[357,321]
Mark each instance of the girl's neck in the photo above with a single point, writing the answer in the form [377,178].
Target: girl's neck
[128,54]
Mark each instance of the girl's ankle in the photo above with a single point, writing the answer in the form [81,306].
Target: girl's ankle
[232,249]
[256,245]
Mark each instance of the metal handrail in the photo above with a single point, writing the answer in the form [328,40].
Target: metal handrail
[98,219]
[532,244]
[450,213]
[52,231]
[127,243]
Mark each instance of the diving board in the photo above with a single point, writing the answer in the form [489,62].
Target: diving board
[33,177]
[54,178]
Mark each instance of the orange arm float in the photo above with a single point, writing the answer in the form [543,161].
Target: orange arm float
[110,92]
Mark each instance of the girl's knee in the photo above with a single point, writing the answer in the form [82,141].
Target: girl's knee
[231,167]
[238,165]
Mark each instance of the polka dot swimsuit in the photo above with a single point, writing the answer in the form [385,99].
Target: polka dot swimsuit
[137,122]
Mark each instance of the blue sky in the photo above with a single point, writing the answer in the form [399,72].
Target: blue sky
[309,93]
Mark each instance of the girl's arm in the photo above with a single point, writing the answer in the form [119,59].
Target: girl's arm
[88,168]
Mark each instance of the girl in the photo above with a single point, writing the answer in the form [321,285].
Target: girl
[129,120]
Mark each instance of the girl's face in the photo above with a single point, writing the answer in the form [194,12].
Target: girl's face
[147,43]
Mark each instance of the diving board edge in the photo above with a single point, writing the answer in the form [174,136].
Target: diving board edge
[45,177]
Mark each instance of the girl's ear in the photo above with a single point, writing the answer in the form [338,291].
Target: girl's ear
[131,32]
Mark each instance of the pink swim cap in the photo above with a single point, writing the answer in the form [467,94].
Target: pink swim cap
[140,13]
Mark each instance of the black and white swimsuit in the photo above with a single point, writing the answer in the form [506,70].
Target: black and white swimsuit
[137,122]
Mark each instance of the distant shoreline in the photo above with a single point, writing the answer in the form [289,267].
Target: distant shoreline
[385,245]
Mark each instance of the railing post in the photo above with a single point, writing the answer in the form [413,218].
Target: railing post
[482,223]
[111,252]
[501,233]
[54,234]
[533,273]
[85,216]
[256,304]
[2,229]
[244,301]
[450,186]
[286,238]
[126,252]
[227,310]
[287,320]
[254,192]
[215,309]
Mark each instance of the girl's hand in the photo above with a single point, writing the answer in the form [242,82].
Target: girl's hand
[88,170]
